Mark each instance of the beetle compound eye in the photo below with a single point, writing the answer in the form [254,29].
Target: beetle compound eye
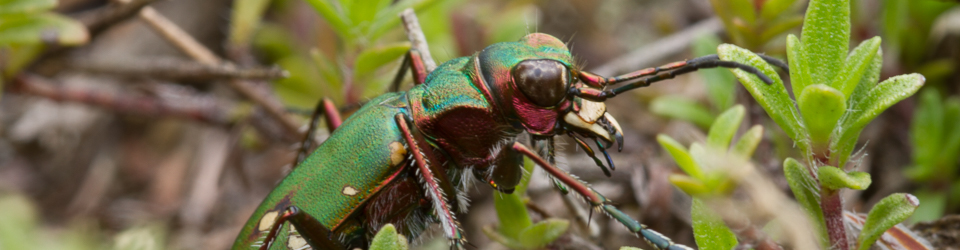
[543,81]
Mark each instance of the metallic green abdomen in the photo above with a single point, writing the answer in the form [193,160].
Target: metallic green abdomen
[362,156]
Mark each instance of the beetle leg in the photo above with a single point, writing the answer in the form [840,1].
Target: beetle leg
[316,235]
[329,111]
[598,201]
[434,180]
[412,60]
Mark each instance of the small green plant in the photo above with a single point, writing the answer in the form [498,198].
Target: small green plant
[388,239]
[705,179]
[837,95]
[755,23]
[349,73]
[935,135]
[26,27]
[517,230]
[911,35]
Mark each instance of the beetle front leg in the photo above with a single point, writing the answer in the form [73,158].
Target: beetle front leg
[598,201]
[316,235]
[437,186]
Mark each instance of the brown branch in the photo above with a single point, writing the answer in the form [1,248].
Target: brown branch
[195,50]
[176,69]
[100,19]
[202,108]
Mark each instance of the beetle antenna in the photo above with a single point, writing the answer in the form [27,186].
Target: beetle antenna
[645,77]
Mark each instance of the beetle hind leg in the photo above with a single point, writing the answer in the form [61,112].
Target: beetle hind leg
[315,234]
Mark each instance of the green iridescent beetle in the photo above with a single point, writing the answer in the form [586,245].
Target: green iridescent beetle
[406,157]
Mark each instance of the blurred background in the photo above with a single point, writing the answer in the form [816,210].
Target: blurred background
[120,139]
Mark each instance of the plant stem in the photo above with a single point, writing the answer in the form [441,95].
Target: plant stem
[832,206]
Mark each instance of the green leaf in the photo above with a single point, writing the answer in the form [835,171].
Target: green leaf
[15,8]
[881,97]
[680,155]
[500,238]
[389,19]
[773,97]
[780,26]
[334,18]
[543,232]
[806,190]
[512,213]
[858,63]
[47,28]
[301,89]
[388,239]
[798,65]
[372,58]
[364,16]
[885,214]
[720,84]
[951,141]
[894,16]
[744,10]
[709,230]
[932,205]
[689,185]
[869,79]
[330,74]
[835,178]
[772,8]
[825,37]
[244,20]
[821,107]
[724,127]
[926,134]
[748,142]
[683,109]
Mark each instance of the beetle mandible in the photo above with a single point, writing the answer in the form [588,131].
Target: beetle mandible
[407,157]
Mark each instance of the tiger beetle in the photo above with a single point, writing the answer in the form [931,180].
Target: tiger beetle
[407,158]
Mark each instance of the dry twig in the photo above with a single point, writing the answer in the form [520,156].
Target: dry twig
[176,69]
[200,108]
[100,19]
[195,50]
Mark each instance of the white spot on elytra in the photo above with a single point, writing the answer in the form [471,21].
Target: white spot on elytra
[266,222]
[397,151]
[350,191]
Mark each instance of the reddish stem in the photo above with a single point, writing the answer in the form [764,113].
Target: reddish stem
[832,206]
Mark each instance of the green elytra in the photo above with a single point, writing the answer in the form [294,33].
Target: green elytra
[460,122]
[358,154]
